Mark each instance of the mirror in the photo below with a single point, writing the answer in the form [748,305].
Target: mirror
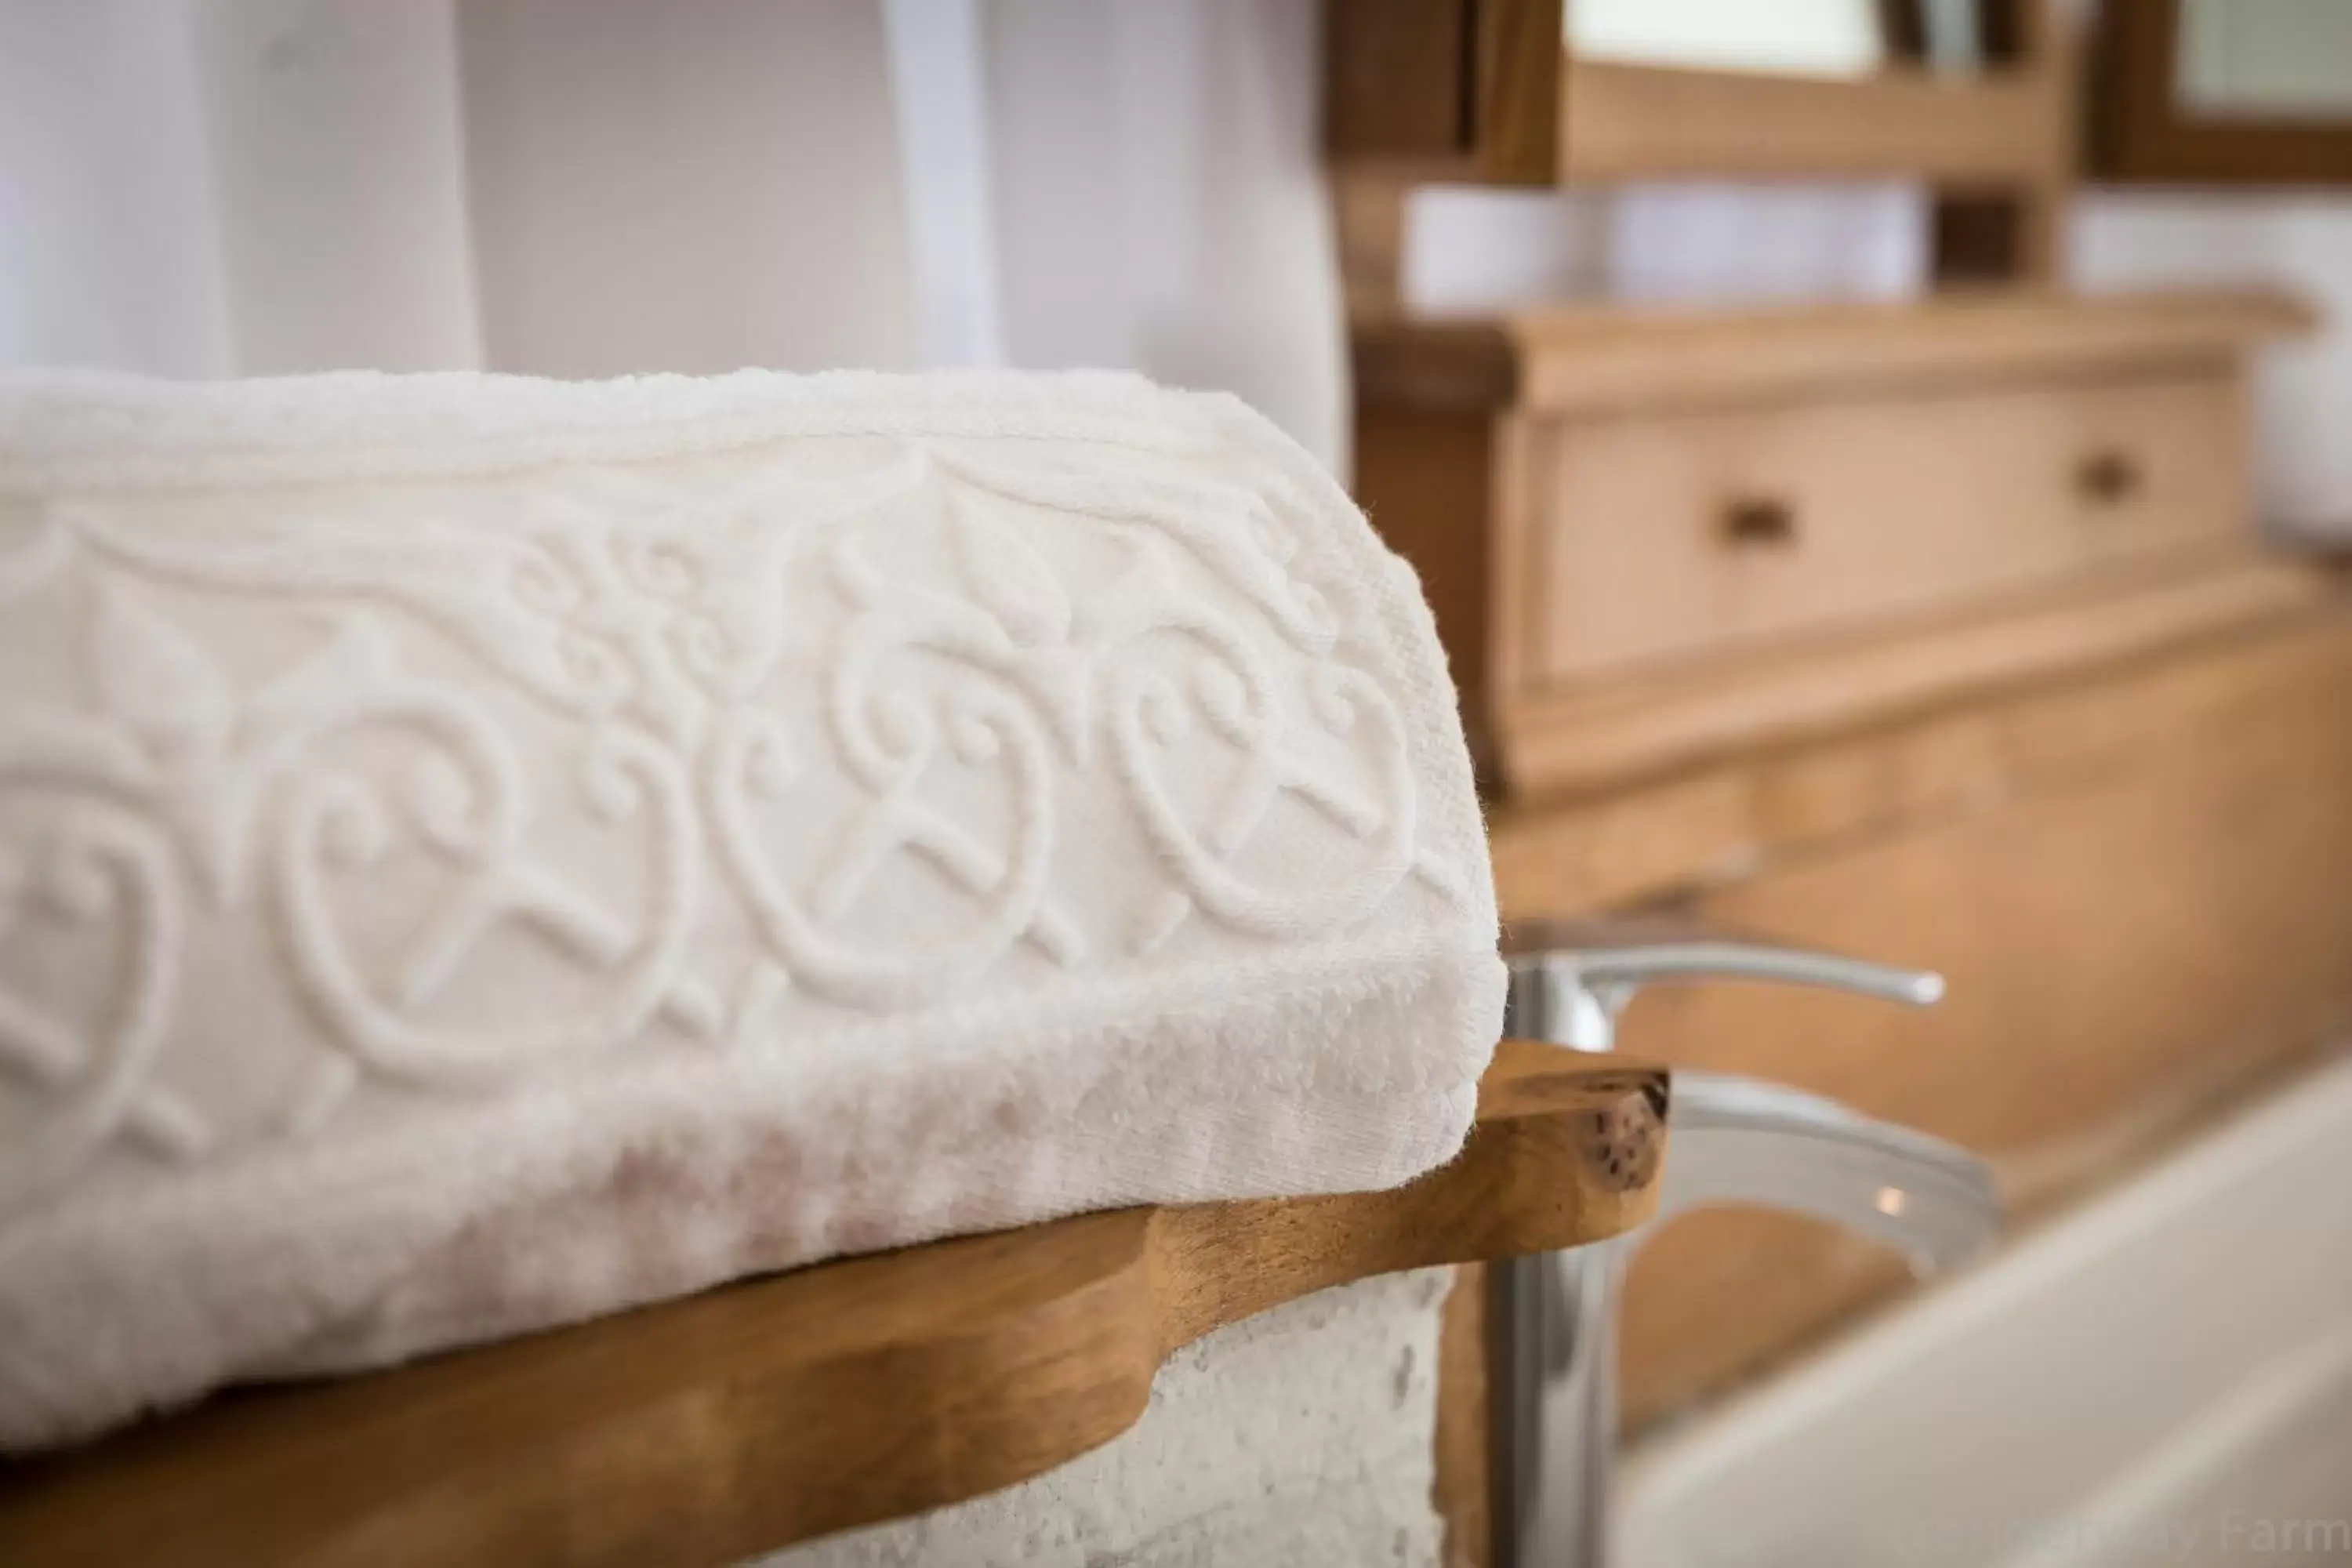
[2209,91]
[1838,39]
[2265,59]
[1809,37]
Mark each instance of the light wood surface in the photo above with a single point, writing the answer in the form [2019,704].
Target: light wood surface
[1465,1468]
[1592,361]
[2051,42]
[1622,122]
[1675,838]
[1579,738]
[1369,212]
[712,1430]
[1423,479]
[1970,493]
[1998,144]
[2139,884]
[1393,81]
[1443,89]
[1673,535]
[1516,90]
[1426,363]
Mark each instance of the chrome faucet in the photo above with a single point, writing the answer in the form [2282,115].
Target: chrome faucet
[1570,979]
[1731,1140]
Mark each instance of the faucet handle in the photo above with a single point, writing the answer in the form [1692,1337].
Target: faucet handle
[1569,979]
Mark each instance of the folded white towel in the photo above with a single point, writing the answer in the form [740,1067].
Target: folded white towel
[477,853]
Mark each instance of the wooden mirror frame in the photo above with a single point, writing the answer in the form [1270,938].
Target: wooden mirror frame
[2138,131]
[1487,92]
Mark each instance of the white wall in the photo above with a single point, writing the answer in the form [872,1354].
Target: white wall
[1471,249]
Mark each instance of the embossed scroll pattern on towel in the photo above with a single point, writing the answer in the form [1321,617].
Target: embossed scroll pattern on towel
[389,642]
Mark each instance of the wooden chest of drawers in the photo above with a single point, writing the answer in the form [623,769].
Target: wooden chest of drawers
[1672,500]
[1941,636]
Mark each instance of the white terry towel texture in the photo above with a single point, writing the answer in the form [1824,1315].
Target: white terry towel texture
[477,853]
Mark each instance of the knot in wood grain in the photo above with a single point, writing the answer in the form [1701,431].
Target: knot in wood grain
[1626,1137]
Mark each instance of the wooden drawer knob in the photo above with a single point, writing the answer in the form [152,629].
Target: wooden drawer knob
[2107,478]
[1754,522]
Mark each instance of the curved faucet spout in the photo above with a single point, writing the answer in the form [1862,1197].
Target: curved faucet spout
[1739,1142]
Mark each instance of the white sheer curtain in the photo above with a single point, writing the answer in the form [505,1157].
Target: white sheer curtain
[109,247]
[211,187]
[1159,198]
[594,187]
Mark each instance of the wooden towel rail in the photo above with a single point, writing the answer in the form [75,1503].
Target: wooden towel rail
[713,1428]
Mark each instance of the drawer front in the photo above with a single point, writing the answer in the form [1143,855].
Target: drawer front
[1655,537]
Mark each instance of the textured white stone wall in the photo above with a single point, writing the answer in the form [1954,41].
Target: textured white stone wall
[1301,1437]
